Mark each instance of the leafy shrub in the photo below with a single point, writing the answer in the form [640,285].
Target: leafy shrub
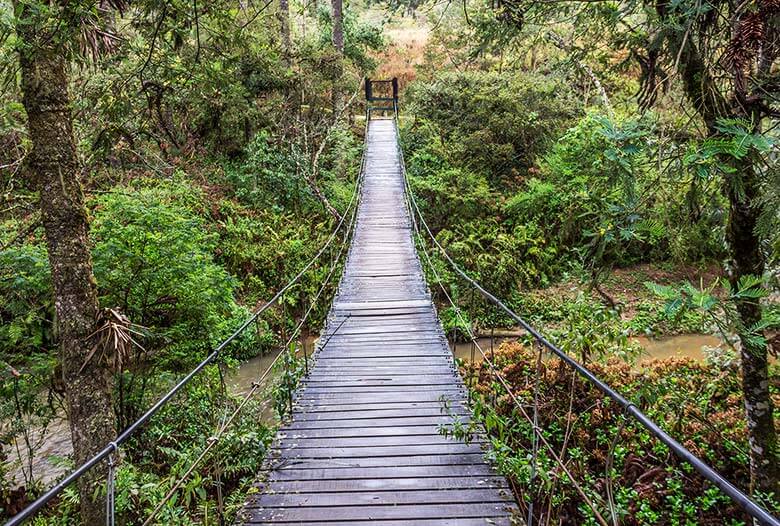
[153,259]
[26,305]
[495,123]
[604,451]
[179,433]
[266,176]
[267,249]
[508,259]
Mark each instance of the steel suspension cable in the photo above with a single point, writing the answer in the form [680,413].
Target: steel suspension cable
[744,501]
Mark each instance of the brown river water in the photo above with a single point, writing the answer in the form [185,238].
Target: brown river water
[683,345]
[56,443]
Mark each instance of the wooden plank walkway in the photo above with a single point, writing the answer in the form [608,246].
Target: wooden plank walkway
[363,445]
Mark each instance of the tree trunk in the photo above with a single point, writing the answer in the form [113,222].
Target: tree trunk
[742,189]
[54,165]
[284,30]
[743,192]
[338,43]
[338,26]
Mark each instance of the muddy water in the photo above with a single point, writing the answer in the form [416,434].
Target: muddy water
[53,446]
[465,351]
[240,381]
[684,345]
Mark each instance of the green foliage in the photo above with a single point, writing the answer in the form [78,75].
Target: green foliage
[721,311]
[290,369]
[591,331]
[360,38]
[506,258]
[593,202]
[26,306]
[598,168]
[153,259]
[495,124]
[180,432]
[266,176]
[267,249]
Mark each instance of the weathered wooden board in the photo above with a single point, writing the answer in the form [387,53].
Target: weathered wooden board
[364,444]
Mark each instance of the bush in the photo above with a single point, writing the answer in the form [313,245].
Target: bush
[26,305]
[650,485]
[266,176]
[496,123]
[153,259]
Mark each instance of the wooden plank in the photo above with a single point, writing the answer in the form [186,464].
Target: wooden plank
[387,406]
[373,473]
[454,459]
[379,512]
[392,498]
[375,422]
[493,521]
[357,416]
[422,393]
[326,373]
[392,484]
[388,305]
[395,440]
[362,432]
[401,451]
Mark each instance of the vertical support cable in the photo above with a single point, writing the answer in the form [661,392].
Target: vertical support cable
[534,435]
[110,485]
[608,469]
[220,497]
[492,352]
[303,343]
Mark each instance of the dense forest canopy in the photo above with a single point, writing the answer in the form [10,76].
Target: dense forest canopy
[609,168]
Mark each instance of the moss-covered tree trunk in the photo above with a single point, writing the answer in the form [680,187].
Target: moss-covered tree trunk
[338,43]
[53,164]
[284,30]
[742,189]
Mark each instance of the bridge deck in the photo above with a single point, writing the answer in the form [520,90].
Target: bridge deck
[363,445]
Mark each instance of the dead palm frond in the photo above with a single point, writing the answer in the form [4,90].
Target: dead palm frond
[98,35]
[113,340]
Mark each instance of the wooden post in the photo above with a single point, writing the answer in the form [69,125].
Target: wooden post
[367,86]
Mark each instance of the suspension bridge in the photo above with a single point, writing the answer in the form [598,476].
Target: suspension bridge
[364,443]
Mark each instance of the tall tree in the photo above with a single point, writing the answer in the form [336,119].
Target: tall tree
[725,57]
[54,165]
[338,43]
[725,54]
[338,25]
[284,29]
